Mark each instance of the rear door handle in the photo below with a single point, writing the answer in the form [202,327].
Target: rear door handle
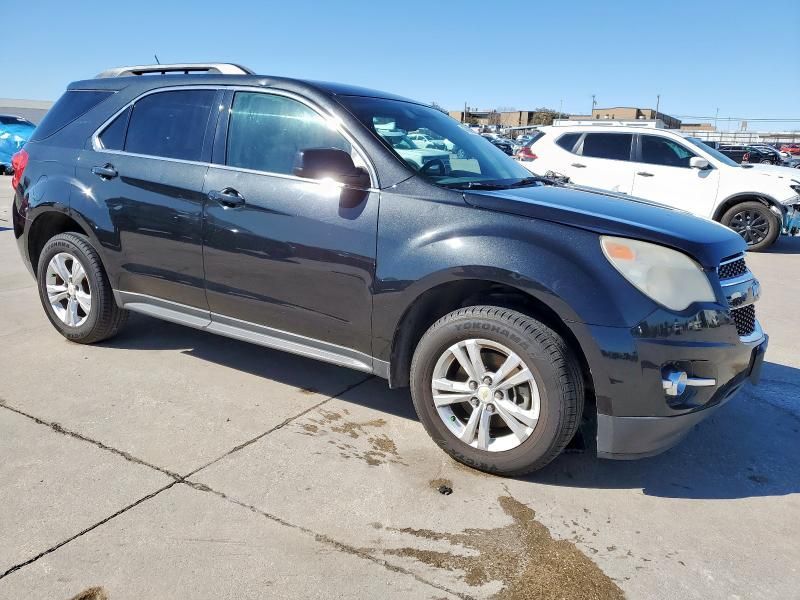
[107,171]
[229,198]
[579,165]
[644,174]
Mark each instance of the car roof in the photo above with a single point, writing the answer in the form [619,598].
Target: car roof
[148,82]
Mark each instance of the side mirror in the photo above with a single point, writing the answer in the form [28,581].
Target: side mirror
[319,163]
[338,165]
[698,163]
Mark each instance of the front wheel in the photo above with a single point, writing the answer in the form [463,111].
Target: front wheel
[75,291]
[755,222]
[496,389]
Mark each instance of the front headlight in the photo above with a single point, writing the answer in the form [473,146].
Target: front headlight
[667,276]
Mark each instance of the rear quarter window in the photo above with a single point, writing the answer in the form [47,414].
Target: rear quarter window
[614,146]
[72,105]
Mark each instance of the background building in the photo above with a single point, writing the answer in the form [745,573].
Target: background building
[33,110]
[629,113]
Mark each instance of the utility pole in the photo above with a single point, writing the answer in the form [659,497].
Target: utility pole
[716,117]
[594,103]
[465,113]
[658,102]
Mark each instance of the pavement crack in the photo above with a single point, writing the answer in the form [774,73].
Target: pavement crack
[88,529]
[280,425]
[58,428]
[325,539]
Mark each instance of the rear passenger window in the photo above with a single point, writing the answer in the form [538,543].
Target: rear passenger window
[113,136]
[616,146]
[568,140]
[170,124]
[266,132]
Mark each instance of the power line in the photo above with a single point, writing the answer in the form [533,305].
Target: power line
[758,119]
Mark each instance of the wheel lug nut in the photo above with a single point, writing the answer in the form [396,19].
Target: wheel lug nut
[473,385]
[474,402]
[487,380]
[498,395]
[490,408]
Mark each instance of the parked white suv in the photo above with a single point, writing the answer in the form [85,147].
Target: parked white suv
[758,202]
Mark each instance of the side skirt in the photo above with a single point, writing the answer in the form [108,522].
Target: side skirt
[251,332]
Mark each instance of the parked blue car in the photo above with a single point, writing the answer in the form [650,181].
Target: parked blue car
[14,132]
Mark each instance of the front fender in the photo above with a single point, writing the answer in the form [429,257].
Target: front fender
[424,244]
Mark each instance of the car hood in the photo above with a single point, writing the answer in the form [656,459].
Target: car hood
[777,171]
[616,214]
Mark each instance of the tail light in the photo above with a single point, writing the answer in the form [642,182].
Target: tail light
[525,153]
[18,162]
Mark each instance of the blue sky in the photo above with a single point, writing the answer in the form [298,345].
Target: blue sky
[700,55]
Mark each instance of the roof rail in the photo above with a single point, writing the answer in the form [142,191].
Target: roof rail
[185,68]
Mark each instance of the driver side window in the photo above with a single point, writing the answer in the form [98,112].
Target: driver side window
[662,151]
[266,132]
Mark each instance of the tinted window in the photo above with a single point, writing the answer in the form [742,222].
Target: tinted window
[73,104]
[170,124]
[459,159]
[267,132]
[661,151]
[567,141]
[113,136]
[608,145]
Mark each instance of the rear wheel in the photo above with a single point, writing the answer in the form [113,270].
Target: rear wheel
[755,222]
[75,291]
[496,389]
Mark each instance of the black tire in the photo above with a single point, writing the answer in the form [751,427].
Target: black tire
[554,368]
[104,319]
[759,237]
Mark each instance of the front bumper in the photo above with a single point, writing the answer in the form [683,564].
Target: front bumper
[631,437]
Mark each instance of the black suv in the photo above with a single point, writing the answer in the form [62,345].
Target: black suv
[750,154]
[277,211]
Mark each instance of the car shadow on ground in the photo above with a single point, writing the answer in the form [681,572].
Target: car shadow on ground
[147,333]
[784,245]
[748,448]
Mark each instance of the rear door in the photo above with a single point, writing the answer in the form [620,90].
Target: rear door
[286,256]
[663,174]
[603,161]
[147,166]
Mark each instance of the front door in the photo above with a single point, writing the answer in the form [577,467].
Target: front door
[147,168]
[281,252]
[663,174]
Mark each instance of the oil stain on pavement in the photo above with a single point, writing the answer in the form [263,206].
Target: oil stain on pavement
[522,556]
[380,448]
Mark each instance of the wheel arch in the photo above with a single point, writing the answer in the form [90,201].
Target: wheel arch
[45,226]
[443,298]
[738,198]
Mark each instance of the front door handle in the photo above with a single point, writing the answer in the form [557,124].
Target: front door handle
[579,165]
[107,171]
[229,198]
[644,174]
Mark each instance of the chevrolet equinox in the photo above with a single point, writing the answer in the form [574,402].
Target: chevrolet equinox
[300,215]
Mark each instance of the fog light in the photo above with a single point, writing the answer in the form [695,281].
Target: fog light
[675,382]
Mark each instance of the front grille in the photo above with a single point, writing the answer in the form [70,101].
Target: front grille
[734,268]
[745,319]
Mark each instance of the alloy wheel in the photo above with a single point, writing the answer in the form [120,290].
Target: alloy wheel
[486,395]
[751,225]
[68,289]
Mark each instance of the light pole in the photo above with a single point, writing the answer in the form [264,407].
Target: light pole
[658,103]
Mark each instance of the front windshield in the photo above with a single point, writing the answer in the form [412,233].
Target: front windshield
[715,153]
[453,156]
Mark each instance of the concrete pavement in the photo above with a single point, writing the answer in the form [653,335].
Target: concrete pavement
[172,463]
